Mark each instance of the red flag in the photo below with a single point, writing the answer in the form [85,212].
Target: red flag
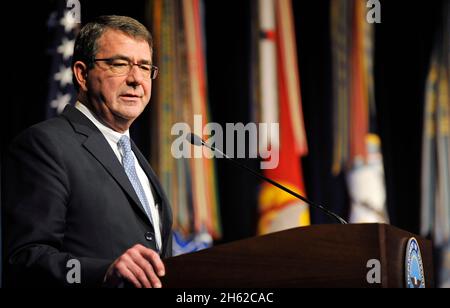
[280,210]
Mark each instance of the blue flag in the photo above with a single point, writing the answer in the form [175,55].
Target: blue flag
[63,25]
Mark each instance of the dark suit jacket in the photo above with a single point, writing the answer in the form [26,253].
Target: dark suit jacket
[66,196]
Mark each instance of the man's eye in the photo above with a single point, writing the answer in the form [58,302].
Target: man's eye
[145,67]
[119,63]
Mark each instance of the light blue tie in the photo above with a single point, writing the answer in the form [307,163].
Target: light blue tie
[130,170]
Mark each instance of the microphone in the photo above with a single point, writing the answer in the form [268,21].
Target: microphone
[196,140]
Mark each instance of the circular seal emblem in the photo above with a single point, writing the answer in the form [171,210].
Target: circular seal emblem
[415,278]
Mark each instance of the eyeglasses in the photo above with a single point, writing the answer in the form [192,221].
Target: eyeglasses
[119,66]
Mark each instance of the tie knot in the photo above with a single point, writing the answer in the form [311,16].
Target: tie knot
[124,143]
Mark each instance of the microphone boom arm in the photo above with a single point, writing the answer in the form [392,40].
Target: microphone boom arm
[195,140]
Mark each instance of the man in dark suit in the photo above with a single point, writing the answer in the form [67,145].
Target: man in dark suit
[79,194]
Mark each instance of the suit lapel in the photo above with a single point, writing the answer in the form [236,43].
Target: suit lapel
[98,146]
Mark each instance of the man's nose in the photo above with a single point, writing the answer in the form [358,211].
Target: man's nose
[135,76]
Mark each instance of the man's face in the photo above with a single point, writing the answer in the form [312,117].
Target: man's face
[119,98]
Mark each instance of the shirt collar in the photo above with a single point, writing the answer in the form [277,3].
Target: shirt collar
[109,133]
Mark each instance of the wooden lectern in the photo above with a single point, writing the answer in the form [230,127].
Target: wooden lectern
[314,256]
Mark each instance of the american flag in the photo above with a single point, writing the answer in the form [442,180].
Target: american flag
[62,25]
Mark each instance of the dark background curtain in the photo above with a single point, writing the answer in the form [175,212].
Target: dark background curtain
[402,52]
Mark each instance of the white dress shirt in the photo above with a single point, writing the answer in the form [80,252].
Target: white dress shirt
[113,138]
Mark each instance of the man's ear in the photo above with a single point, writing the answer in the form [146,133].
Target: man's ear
[80,72]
